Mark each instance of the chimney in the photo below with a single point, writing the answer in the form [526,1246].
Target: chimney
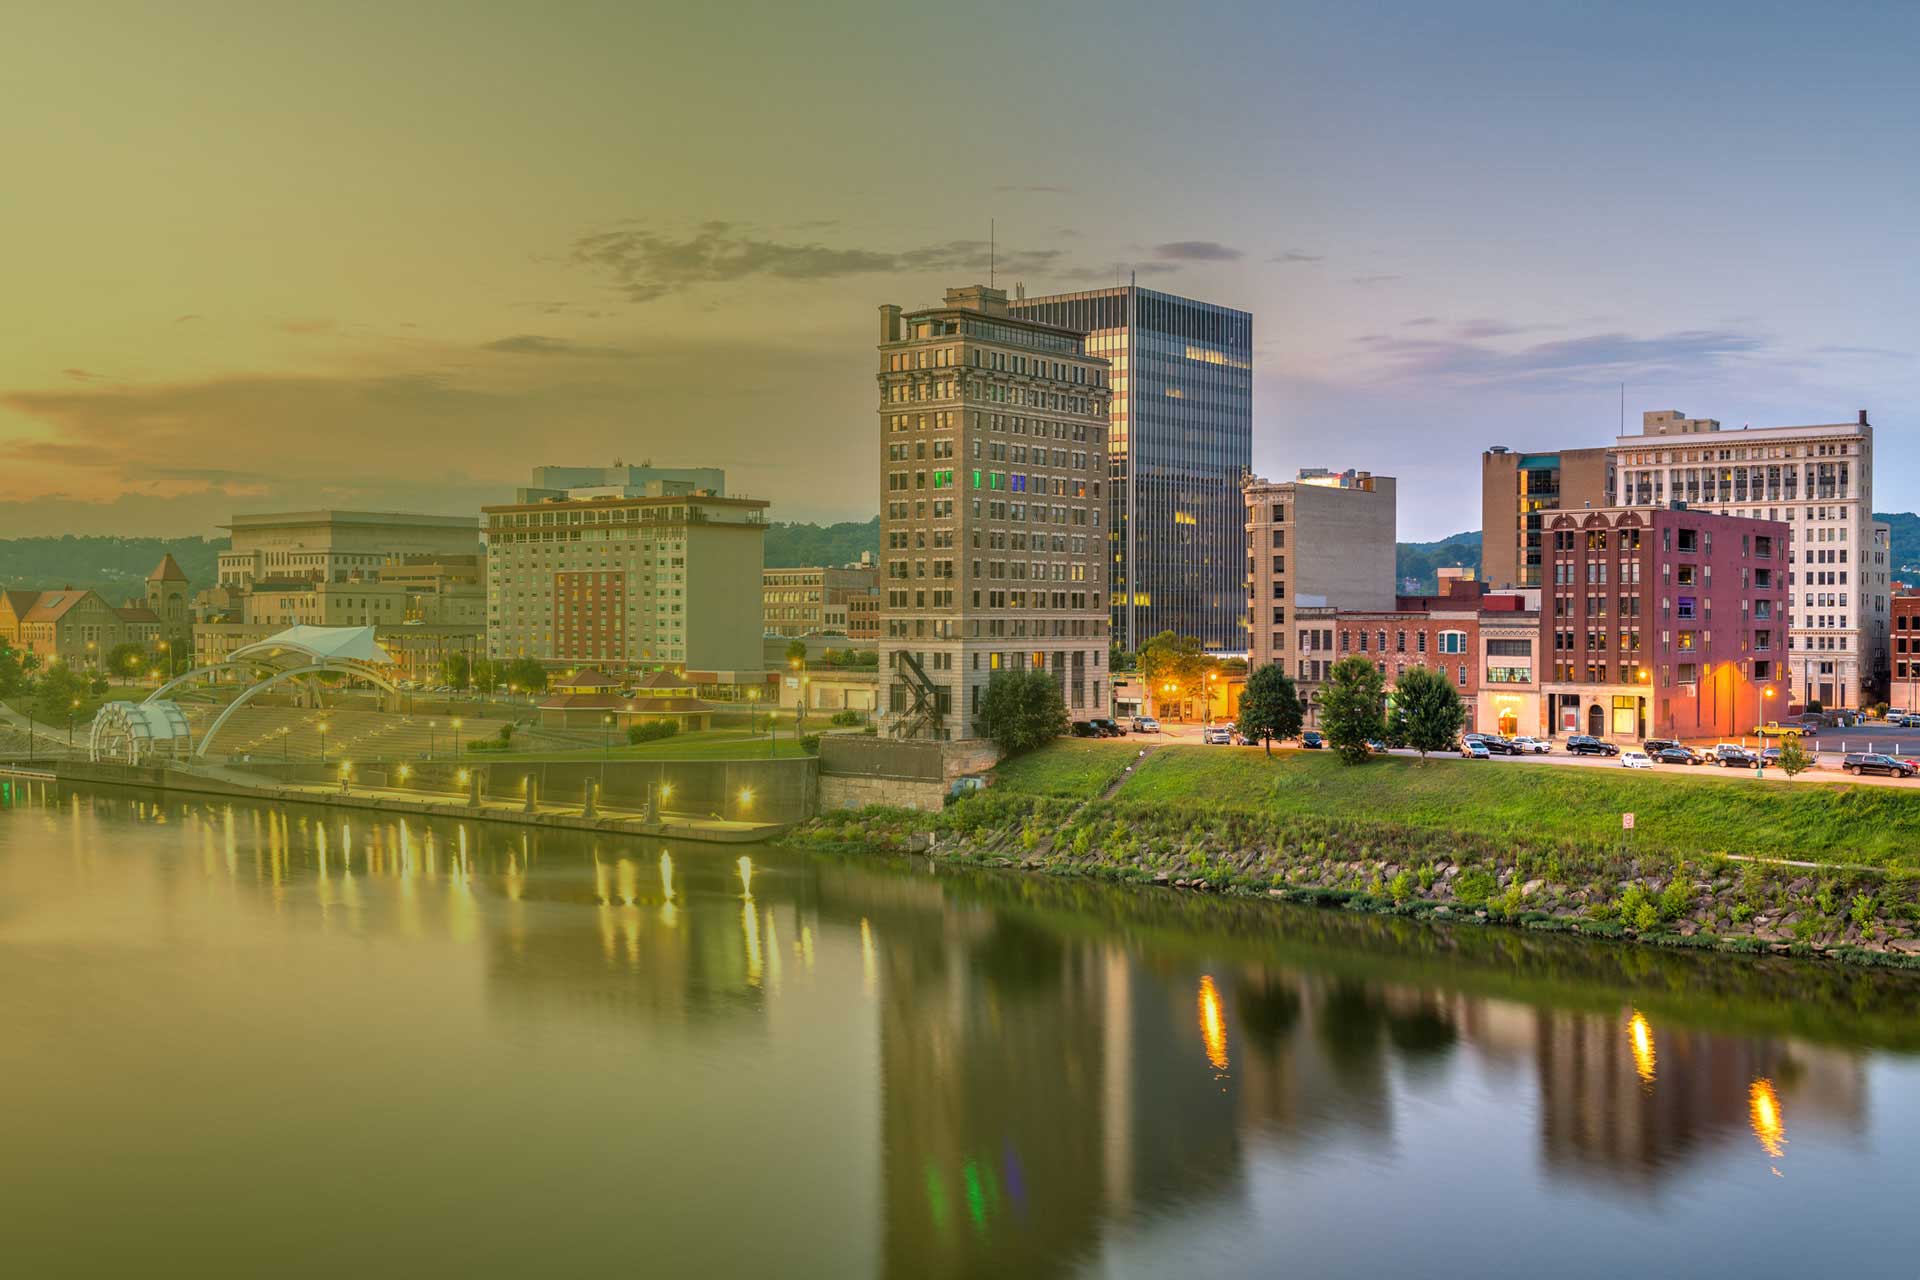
[1863,417]
[889,323]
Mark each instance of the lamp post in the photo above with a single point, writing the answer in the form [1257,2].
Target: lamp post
[1761,770]
[456,739]
[1206,707]
[1646,677]
[323,742]
[72,713]
[606,722]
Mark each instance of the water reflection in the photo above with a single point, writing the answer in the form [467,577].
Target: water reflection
[939,1074]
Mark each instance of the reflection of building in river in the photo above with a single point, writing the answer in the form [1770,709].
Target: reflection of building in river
[1631,1103]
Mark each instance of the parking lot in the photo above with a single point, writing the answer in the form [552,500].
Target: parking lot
[1827,748]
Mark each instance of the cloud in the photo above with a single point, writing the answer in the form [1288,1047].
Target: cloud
[1420,321]
[1563,362]
[1292,256]
[1372,280]
[1038,188]
[1872,353]
[306,327]
[184,319]
[535,344]
[1196,251]
[83,375]
[1477,329]
[648,265]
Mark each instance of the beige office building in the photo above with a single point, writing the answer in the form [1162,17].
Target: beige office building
[1515,489]
[814,600]
[994,539]
[627,583]
[1819,479]
[1319,543]
[333,546]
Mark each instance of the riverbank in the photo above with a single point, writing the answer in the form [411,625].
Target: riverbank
[1713,863]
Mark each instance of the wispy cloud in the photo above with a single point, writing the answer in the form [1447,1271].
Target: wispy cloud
[1196,251]
[647,265]
[1294,257]
[538,344]
[186,318]
[1372,280]
[83,375]
[1566,361]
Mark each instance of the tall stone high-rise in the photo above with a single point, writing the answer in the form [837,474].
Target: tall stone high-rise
[993,528]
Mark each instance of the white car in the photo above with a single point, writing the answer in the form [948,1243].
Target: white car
[1635,760]
[1217,735]
[1532,746]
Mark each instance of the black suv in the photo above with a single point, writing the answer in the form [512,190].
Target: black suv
[1107,728]
[1864,763]
[1581,744]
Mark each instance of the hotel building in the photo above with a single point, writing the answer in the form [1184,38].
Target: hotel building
[627,583]
[1179,443]
[992,467]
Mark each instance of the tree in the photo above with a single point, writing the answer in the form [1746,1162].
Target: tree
[526,675]
[1021,710]
[1350,708]
[12,672]
[129,659]
[1119,659]
[796,653]
[56,692]
[1794,759]
[1427,711]
[454,670]
[1270,706]
[486,675]
[1171,660]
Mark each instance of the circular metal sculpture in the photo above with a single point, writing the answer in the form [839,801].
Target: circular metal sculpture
[140,733]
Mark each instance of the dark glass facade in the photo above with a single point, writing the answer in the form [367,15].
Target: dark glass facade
[1179,444]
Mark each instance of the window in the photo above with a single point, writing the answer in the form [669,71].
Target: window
[1453,642]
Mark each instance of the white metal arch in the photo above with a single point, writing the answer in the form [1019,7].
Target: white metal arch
[185,677]
[345,666]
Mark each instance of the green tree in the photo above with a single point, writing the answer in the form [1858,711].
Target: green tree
[1119,659]
[1794,759]
[58,693]
[12,674]
[1171,666]
[1350,713]
[796,653]
[1021,710]
[486,675]
[526,675]
[129,659]
[1270,706]
[454,670]
[1427,711]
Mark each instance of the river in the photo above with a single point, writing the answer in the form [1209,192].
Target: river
[245,1041]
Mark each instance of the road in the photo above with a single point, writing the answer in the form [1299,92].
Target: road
[1828,748]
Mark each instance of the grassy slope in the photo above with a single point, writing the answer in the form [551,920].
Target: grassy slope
[1700,812]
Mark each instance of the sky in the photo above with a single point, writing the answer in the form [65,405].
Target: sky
[264,256]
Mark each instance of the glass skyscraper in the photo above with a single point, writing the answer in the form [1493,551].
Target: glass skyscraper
[1180,440]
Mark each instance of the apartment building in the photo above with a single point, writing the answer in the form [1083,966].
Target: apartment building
[1516,490]
[1663,621]
[626,583]
[1817,479]
[992,467]
[1179,442]
[623,481]
[815,600]
[1323,541]
[332,546]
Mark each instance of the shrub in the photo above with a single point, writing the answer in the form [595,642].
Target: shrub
[1402,887]
[1677,896]
[1473,887]
[1862,910]
[651,731]
[1824,898]
[1631,901]
[810,743]
[847,719]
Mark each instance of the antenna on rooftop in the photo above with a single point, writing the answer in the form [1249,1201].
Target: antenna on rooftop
[992,238]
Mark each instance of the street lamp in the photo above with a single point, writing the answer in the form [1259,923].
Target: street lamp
[607,735]
[72,712]
[1206,709]
[456,739]
[323,742]
[745,803]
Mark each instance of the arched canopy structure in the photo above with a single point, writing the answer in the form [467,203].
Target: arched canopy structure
[139,733]
[297,651]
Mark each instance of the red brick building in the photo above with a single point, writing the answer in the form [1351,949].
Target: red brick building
[1904,693]
[1438,631]
[1666,622]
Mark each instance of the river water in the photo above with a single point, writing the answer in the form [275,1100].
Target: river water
[243,1041]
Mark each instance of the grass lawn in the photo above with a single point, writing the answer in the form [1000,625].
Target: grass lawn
[1698,813]
[1070,769]
[712,744]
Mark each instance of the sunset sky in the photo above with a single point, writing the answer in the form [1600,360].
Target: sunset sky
[387,255]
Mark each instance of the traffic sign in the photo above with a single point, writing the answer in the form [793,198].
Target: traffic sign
[1626,822]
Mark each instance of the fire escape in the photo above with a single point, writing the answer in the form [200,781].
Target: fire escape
[924,714]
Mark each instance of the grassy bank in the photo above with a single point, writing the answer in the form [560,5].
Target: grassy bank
[1699,812]
[1537,846]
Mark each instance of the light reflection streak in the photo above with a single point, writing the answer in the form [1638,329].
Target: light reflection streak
[1640,1036]
[1763,1111]
[869,960]
[1213,1023]
[751,925]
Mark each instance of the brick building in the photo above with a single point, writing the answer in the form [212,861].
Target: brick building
[1446,631]
[1664,622]
[1904,692]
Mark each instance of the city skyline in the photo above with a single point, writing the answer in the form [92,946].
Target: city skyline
[1517,214]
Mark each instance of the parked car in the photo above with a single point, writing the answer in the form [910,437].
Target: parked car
[1312,740]
[1581,744]
[1217,735]
[1376,746]
[1531,746]
[1673,755]
[1811,728]
[1501,746]
[1475,750]
[1731,755]
[1107,728]
[1084,729]
[1654,746]
[1774,729]
[1859,763]
[1145,724]
[1635,760]
[1771,756]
